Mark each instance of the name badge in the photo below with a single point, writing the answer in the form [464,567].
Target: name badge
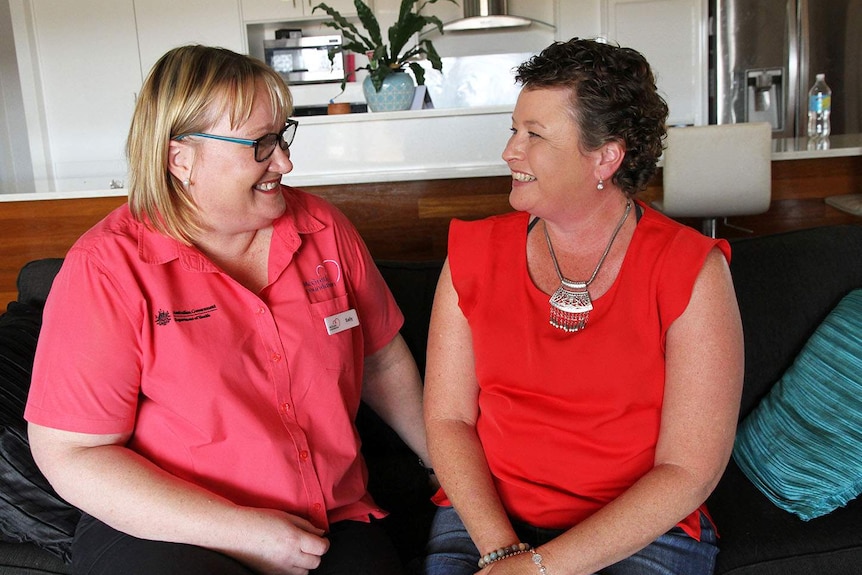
[341,321]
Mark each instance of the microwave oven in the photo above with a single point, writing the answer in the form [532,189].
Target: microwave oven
[305,60]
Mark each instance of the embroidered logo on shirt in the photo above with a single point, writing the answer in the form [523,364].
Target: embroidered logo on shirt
[324,280]
[195,314]
[163,317]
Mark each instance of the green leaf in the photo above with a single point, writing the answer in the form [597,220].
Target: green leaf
[419,72]
[436,22]
[432,55]
[401,33]
[405,9]
[369,20]
[380,57]
[351,33]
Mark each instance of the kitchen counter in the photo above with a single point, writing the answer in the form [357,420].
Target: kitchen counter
[400,146]
[417,145]
[405,146]
[842,145]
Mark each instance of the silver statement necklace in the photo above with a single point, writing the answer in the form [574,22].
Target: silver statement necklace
[571,303]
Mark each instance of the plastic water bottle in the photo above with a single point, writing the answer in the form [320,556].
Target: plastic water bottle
[819,108]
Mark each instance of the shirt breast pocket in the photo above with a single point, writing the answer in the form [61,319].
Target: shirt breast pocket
[334,334]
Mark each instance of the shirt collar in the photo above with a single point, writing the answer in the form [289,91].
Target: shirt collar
[156,248]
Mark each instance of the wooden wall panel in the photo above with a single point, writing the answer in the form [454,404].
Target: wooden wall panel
[43,229]
[410,220]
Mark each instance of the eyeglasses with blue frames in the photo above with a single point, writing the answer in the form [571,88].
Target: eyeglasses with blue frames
[263,146]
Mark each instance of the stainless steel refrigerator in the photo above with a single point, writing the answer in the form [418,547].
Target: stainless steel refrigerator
[764,55]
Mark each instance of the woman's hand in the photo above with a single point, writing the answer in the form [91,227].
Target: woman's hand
[277,543]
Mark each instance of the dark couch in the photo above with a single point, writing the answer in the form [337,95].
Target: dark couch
[786,284]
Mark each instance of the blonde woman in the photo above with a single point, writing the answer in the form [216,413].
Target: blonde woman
[206,347]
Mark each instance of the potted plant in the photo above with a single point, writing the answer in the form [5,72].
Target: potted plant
[386,61]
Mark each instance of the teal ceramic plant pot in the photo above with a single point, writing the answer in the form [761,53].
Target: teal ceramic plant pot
[396,93]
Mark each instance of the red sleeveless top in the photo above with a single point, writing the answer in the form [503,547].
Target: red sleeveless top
[569,421]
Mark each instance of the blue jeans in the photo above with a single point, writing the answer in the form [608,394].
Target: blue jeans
[450,550]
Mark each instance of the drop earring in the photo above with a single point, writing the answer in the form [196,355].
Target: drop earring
[600,185]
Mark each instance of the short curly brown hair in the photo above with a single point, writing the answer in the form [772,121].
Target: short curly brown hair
[614,98]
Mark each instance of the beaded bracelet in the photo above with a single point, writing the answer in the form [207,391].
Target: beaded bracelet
[537,559]
[502,553]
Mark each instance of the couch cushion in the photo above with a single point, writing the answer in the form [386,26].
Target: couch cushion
[30,510]
[802,446]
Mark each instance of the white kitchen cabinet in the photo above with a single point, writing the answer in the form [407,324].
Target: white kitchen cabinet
[672,35]
[91,59]
[278,10]
[89,73]
[164,24]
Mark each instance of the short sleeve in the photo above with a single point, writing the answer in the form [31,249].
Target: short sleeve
[86,374]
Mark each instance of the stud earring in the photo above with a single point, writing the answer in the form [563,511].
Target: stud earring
[186,183]
[600,185]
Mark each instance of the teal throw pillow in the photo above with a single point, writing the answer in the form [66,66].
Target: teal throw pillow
[802,445]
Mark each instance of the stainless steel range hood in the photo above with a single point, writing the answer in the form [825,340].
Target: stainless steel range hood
[485,15]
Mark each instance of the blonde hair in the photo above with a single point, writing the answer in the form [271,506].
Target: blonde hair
[188,90]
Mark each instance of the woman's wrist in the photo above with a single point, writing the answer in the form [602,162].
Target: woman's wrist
[537,560]
[503,553]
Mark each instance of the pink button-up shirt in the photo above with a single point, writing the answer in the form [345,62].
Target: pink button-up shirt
[252,396]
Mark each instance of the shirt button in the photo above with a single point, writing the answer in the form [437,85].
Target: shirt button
[303,455]
[316,507]
[285,407]
[261,310]
[276,357]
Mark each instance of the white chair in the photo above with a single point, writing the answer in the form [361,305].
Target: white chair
[717,171]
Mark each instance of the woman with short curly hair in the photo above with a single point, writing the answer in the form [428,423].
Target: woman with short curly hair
[585,352]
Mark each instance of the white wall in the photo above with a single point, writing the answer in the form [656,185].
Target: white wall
[16,167]
[581,18]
